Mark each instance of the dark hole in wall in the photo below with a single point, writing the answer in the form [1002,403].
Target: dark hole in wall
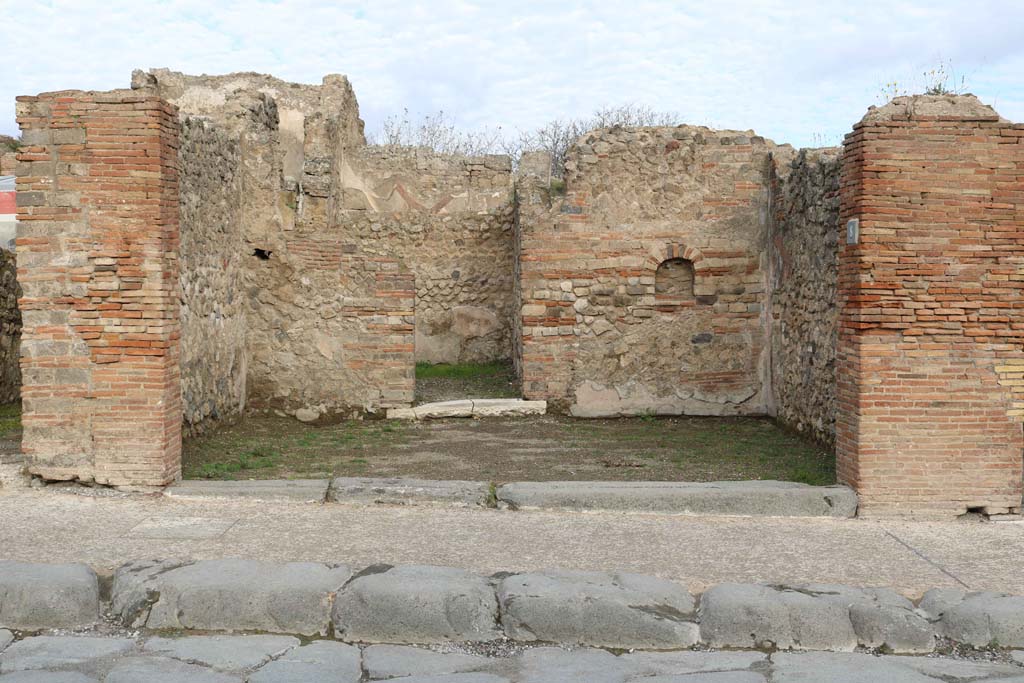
[262,254]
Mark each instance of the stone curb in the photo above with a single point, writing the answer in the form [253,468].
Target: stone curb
[277,490]
[394,491]
[726,498]
[768,498]
[424,604]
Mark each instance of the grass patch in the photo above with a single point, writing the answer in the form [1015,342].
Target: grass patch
[549,448]
[459,370]
[270,447]
[10,419]
[444,382]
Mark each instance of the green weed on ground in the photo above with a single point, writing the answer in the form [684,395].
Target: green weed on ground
[10,419]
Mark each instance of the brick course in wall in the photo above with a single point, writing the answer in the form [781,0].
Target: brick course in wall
[931,299]
[97,261]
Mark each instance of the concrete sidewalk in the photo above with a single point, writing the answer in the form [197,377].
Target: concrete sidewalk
[48,526]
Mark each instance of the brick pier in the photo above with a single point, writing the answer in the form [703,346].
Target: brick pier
[97,260]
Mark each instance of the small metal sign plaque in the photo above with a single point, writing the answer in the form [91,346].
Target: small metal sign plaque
[853,231]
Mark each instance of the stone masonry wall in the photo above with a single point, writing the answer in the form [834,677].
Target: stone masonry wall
[599,338]
[325,332]
[341,242]
[97,262]
[10,329]
[930,360]
[213,310]
[804,260]
[450,221]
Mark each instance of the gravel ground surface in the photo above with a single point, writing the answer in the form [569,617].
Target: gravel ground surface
[49,526]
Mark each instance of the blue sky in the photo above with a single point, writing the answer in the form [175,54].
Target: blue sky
[798,71]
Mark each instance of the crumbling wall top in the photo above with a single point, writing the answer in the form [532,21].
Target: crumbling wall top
[958,107]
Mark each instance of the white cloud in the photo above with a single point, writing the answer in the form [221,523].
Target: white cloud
[794,70]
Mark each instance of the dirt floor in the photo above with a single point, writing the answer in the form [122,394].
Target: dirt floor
[511,449]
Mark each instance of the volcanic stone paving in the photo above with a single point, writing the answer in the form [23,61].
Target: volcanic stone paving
[284,659]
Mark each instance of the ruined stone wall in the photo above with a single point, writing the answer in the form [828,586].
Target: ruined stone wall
[931,340]
[610,328]
[10,329]
[212,97]
[324,331]
[449,219]
[211,256]
[97,261]
[804,315]
[341,242]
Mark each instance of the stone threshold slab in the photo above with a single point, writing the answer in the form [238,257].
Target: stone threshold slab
[725,498]
[728,498]
[470,407]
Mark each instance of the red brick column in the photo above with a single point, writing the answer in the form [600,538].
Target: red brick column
[932,309]
[97,260]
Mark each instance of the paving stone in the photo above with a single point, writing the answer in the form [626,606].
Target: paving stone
[53,652]
[979,619]
[319,662]
[393,661]
[227,653]
[455,678]
[396,491]
[843,667]
[704,677]
[164,670]
[416,604]
[590,608]
[955,670]
[46,677]
[242,595]
[555,665]
[688,662]
[6,638]
[41,596]
[294,490]
[754,616]
[770,498]
[1016,655]
[881,617]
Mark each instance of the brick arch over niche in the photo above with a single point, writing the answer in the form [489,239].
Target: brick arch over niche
[670,261]
[675,250]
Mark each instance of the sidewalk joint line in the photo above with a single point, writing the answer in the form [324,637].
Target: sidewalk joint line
[926,558]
